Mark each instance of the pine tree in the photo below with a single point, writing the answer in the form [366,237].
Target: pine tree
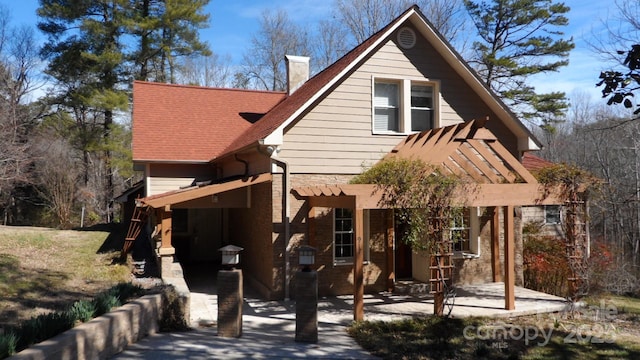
[518,39]
[91,57]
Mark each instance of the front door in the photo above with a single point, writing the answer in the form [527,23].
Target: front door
[402,254]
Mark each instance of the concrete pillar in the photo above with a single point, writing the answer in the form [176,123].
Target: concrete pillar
[230,299]
[307,306]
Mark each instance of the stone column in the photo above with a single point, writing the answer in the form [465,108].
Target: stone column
[307,306]
[230,298]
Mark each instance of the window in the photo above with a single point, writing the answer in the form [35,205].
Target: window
[460,230]
[421,107]
[386,107]
[403,106]
[464,232]
[552,214]
[343,236]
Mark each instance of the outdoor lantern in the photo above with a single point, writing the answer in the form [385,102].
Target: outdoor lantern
[307,257]
[230,255]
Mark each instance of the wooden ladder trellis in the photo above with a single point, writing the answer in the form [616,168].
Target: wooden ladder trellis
[138,219]
[576,237]
[441,274]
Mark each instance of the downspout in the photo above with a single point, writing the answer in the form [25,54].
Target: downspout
[286,211]
[246,165]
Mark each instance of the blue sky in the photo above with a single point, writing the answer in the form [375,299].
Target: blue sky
[233,23]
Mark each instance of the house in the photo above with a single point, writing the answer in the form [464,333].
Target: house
[546,218]
[269,171]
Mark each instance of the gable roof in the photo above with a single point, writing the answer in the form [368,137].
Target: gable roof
[270,129]
[177,123]
[535,163]
[196,115]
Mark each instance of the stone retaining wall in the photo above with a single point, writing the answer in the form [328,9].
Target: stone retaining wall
[104,336]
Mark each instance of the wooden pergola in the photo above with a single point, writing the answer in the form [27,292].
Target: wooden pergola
[468,150]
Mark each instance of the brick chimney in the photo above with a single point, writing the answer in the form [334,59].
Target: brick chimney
[297,72]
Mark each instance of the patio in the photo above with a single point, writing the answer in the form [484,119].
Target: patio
[471,300]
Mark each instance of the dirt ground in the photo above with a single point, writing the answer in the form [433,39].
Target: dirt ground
[42,269]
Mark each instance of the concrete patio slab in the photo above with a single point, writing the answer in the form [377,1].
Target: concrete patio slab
[269,326]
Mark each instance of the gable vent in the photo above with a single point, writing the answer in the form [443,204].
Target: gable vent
[406,38]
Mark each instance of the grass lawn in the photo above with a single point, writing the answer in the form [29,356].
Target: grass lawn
[43,270]
[607,328]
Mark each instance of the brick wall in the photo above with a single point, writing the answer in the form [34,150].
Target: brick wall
[478,270]
[251,228]
[335,279]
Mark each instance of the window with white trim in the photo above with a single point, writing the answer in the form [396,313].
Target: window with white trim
[344,236]
[386,108]
[403,106]
[421,107]
[552,214]
[464,232]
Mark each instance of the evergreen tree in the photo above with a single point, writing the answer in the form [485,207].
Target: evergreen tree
[166,31]
[518,39]
[94,49]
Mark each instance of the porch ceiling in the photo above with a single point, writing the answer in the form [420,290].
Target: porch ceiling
[180,196]
[468,150]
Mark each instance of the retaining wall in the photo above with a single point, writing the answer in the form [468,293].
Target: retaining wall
[104,336]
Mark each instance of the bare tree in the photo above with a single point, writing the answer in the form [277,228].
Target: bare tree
[18,64]
[264,60]
[363,18]
[330,44]
[212,70]
[57,176]
[621,30]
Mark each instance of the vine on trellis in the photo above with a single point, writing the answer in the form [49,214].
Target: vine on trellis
[573,186]
[422,196]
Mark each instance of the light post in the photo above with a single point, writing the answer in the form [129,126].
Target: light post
[230,293]
[306,297]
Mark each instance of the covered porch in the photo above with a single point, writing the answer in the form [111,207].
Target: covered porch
[500,185]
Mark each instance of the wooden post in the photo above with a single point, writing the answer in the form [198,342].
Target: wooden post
[495,245]
[358,275]
[391,278]
[509,259]
[311,226]
[166,228]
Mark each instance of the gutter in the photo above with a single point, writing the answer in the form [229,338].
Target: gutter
[286,211]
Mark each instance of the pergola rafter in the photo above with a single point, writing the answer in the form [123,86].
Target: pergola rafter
[468,150]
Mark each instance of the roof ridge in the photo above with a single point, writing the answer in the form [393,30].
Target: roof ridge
[200,87]
[290,104]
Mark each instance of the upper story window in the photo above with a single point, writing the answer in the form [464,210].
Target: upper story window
[403,106]
[386,107]
[421,107]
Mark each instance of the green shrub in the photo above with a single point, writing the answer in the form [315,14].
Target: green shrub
[43,327]
[82,310]
[106,301]
[46,326]
[126,291]
[8,344]
[173,316]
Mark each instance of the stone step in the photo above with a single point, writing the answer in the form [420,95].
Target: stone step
[411,287]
